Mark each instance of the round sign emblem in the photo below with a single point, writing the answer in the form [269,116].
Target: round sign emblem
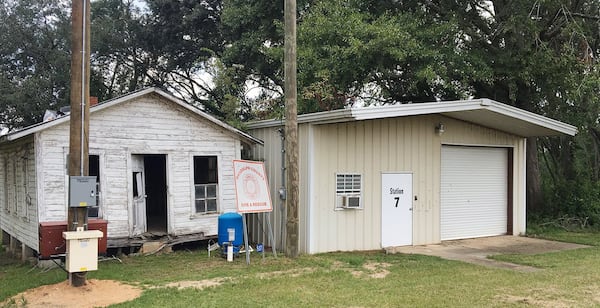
[251,186]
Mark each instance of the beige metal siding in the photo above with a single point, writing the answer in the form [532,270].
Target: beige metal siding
[270,153]
[370,148]
[304,148]
[406,144]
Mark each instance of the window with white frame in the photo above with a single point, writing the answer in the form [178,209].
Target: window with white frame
[206,184]
[348,191]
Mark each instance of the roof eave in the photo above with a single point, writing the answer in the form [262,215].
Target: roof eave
[324,117]
[41,126]
[531,124]
[560,128]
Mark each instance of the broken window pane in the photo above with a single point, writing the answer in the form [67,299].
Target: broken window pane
[200,206]
[206,184]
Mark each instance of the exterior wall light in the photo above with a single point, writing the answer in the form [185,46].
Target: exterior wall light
[440,129]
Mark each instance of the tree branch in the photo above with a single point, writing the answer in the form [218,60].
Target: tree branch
[585,16]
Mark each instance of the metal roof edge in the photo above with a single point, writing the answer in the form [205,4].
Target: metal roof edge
[530,117]
[333,116]
[402,110]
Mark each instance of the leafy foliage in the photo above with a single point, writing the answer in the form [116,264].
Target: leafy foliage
[377,56]
[34,60]
[540,56]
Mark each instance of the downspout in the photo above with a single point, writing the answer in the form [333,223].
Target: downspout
[282,189]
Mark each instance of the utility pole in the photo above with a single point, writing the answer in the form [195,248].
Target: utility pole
[291,129]
[80,112]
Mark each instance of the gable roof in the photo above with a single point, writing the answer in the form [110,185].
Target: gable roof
[130,96]
[484,112]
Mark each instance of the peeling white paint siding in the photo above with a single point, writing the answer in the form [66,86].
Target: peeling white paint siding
[148,124]
[18,215]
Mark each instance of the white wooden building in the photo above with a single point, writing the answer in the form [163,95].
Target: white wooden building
[163,167]
[411,174]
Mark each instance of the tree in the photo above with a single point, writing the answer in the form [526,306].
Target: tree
[358,51]
[538,56]
[171,45]
[120,58]
[34,60]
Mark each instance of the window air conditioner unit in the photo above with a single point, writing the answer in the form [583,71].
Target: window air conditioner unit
[351,202]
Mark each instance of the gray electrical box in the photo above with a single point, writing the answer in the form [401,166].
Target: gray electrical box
[82,191]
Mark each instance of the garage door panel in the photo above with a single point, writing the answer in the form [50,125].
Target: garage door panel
[473,192]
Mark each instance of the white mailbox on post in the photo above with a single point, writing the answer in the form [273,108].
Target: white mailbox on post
[82,250]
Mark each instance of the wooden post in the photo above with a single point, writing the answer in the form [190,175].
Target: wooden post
[80,111]
[291,129]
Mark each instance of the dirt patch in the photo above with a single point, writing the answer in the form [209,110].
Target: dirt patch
[593,293]
[546,297]
[374,270]
[197,284]
[96,293]
[291,273]
[538,302]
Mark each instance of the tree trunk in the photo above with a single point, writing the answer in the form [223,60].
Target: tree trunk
[534,196]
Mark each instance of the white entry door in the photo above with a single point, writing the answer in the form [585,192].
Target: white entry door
[396,209]
[139,194]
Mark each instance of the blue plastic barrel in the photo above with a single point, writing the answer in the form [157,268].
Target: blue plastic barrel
[231,222]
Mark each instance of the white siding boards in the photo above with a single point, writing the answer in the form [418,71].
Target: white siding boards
[479,156]
[17,191]
[147,131]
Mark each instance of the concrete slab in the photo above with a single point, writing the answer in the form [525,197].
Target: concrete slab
[477,250]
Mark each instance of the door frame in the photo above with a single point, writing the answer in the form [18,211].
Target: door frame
[138,205]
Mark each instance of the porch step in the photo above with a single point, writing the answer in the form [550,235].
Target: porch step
[155,246]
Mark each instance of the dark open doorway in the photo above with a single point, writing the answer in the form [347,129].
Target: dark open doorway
[156,191]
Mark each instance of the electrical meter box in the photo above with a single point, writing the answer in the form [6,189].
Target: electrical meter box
[82,250]
[82,191]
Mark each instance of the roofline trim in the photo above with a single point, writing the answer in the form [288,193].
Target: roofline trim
[389,111]
[118,100]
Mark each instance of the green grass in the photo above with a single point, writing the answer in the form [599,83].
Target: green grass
[581,236]
[568,278]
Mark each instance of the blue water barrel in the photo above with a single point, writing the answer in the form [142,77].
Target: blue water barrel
[231,221]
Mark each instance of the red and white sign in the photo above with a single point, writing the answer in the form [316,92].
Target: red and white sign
[251,187]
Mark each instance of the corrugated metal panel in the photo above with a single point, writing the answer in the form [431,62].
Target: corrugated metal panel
[473,192]
[371,147]
[270,153]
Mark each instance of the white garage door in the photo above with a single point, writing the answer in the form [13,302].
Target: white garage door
[473,192]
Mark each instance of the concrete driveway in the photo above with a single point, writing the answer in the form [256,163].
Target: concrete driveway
[477,250]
